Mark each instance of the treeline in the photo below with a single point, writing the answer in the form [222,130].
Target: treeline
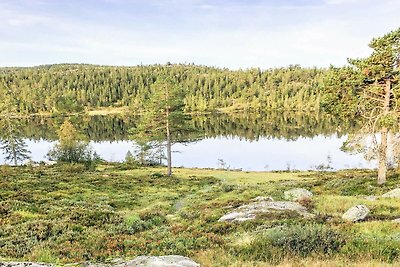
[74,88]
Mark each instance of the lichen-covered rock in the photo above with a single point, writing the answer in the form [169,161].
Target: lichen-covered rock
[160,261]
[356,213]
[296,194]
[249,211]
[260,198]
[23,264]
[395,193]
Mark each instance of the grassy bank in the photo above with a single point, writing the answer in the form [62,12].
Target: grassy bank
[64,214]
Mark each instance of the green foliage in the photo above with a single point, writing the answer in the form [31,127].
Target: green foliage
[164,113]
[250,126]
[11,142]
[70,149]
[384,249]
[295,240]
[357,90]
[72,88]
[63,216]
[368,91]
[15,149]
[164,119]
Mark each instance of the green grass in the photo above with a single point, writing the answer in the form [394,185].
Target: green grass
[65,214]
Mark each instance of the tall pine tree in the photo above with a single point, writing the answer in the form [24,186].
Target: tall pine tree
[164,119]
[369,90]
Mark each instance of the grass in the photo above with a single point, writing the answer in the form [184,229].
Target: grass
[65,214]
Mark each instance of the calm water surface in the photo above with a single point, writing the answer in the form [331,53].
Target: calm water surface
[249,142]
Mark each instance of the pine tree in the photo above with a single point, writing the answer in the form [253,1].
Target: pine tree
[13,146]
[164,119]
[369,90]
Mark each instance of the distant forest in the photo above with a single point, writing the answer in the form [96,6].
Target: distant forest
[74,88]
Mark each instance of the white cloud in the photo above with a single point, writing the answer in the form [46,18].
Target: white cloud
[203,32]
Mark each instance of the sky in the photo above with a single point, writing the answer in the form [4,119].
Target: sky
[224,33]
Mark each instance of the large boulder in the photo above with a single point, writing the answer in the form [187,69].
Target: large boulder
[296,194]
[249,211]
[160,261]
[395,193]
[356,213]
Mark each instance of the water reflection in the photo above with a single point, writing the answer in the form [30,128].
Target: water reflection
[270,141]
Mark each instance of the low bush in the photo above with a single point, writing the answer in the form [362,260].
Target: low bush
[295,240]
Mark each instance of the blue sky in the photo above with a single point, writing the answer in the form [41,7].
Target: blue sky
[234,34]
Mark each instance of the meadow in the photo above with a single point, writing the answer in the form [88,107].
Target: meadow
[70,214]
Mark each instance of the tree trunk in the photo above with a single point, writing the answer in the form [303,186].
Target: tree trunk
[382,151]
[169,152]
[168,130]
[382,157]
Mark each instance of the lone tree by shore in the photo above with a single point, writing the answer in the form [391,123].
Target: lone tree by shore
[164,119]
[369,90]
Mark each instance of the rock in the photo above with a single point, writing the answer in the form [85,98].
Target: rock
[370,198]
[23,264]
[262,199]
[356,213]
[160,261]
[395,193]
[296,194]
[249,211]
[396,220]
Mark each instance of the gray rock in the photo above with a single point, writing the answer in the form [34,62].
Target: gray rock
[161,261]
[249,211]
[356,213]
[260,198]
[395,193]
[296,194]
[23,264]
[396,220]
[370,198]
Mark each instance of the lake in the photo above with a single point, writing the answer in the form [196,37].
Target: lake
[252,142]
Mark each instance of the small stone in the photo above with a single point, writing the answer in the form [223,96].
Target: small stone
[395,193]
[296,194]
[356,213]
[396,220]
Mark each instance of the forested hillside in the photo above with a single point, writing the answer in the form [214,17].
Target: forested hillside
[73,88]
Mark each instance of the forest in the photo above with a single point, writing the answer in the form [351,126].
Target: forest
[69,88]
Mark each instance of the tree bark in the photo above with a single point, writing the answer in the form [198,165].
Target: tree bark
[168,130]
[169,152]
[382,157]
[382,151]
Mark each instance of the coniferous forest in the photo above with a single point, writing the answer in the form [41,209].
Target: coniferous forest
[69,88]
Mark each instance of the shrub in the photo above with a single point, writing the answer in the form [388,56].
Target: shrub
[71,149]
[144,221]
[385,249]
[295,240]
